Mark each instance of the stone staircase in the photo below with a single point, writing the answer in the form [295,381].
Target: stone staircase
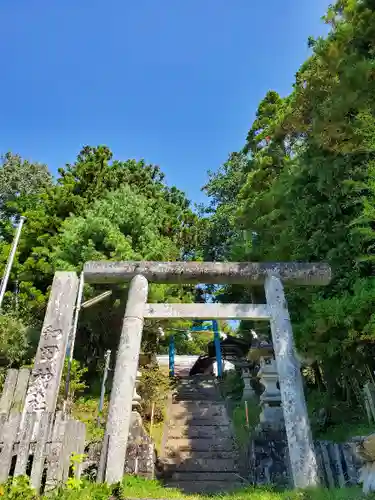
[200,455]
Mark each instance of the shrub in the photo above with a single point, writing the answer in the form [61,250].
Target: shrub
[154,387]
[76,381]
[18,489]
[14,344]
[231,385]
[86,410]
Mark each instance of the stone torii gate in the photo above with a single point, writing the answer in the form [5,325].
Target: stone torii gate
[271,275]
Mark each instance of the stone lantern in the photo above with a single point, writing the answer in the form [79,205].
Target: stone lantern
[136,397]
[271,416]
[244,366]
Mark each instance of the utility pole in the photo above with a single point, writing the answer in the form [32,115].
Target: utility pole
[79,305]
[4,281]
[73,335]
[107,358]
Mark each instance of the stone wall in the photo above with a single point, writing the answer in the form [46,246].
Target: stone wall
[338,463]
[267,459]
[140,454]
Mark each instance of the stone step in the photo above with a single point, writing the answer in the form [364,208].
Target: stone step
[196,383]
[196,397]
[207,476]
[198,389]
[218,443]
[190,382]
[197,409]
[204,389]
[204,379]
[205,395]
[199,455]
[191,420]
[198,431]
[198,404]
[205,487]
[202,464]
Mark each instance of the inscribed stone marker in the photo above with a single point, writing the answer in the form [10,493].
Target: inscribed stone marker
[49,361]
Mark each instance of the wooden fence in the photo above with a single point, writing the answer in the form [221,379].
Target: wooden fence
[369,400]
[39,444]
[338,464]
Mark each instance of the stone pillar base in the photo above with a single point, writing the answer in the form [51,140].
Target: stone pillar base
[140,452]
[271,418]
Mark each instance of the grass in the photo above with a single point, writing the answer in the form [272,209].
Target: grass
[137,488]
[157,435]
[157,431]
[242,429]
[86,410]
[344,432]
[346,420]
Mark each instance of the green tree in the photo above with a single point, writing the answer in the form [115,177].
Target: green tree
[308,193]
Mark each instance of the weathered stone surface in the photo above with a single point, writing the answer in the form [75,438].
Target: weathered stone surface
[140,452]
[49,361]
[197,389]
[197,408]
[267,462]
[338,466]
[351,463]
[365,450]
[189,420]
[301,449]
[197,431]
[248,391]
[181,413]
[217,443]
[207,311]
[197,464]
[117,430]
[272,415]
[200,455]
[208,272]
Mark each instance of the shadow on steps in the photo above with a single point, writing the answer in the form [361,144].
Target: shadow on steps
[200,455]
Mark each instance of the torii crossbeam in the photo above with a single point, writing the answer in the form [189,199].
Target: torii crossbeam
[235,273]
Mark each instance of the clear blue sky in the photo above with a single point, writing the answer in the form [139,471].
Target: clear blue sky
[175,82]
